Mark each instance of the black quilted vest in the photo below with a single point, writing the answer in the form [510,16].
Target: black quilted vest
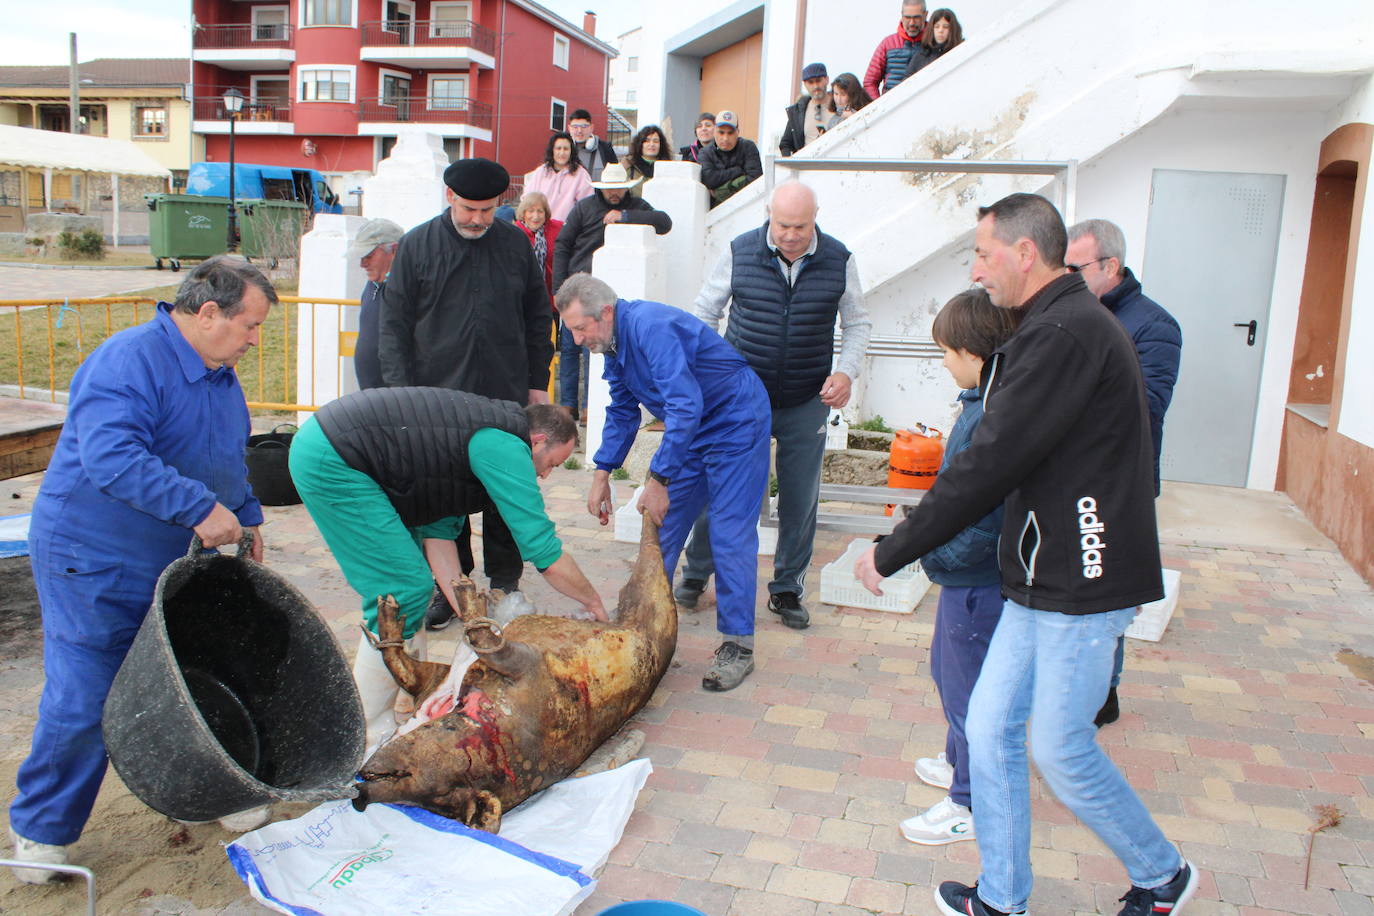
[786,334]
[414,443]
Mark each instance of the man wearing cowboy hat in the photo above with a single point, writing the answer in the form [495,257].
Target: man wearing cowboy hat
[582,235]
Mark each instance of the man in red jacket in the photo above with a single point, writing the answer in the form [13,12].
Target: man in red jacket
[898,55]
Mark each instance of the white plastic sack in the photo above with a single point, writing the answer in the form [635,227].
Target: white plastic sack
[14,536]
[335,861]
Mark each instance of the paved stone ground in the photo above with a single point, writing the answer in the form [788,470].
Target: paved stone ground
[782,797]
[37,283]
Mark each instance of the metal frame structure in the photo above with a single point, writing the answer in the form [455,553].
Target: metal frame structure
[1066,171]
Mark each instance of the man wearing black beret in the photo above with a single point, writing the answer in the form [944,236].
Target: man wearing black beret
[466,308]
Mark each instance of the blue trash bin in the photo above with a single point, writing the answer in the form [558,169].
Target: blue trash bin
[651,908]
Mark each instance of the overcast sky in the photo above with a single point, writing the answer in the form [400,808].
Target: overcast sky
[158,28]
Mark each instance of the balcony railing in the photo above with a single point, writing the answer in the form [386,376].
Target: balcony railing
[403,33]
[211,108]
[423,110]
[241,35]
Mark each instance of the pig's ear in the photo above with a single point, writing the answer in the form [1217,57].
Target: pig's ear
[485,812]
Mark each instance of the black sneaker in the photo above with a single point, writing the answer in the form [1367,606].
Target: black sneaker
[1110,711]
[688,593]
[788,606]
[1158,901]
[439,613]
[955,899]
[509,586]
[732,665]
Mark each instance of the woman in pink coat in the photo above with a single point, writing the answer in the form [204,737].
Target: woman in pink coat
[562,178]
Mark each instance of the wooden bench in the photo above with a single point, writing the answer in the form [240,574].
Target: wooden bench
[28,435]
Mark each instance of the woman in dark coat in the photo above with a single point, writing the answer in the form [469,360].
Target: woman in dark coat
[649,146]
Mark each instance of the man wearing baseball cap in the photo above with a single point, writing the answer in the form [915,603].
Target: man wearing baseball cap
[374,248]
[806,118]
[732,163]
[466,308]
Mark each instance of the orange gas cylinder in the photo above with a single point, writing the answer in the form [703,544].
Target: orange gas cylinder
[915,458]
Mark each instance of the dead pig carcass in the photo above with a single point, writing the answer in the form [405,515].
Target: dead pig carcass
[541,697]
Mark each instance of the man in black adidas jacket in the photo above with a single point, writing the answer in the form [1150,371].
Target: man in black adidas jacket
[1065,442]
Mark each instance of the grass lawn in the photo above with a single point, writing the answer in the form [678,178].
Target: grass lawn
[113,258]
[267,373]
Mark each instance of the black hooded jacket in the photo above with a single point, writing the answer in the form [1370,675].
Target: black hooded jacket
[1065,439]
[584,231]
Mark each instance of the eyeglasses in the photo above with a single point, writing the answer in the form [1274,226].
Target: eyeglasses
[1077,268]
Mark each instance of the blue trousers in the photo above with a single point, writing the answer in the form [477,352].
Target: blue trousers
[92,608]
[964,624]
[800,432]
[726,477]
[1052,669]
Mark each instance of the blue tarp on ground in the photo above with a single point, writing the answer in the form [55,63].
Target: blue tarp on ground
[14,536]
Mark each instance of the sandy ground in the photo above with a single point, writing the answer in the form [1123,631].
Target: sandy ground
[144,862]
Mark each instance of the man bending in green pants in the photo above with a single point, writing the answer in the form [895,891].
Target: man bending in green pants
[388,475]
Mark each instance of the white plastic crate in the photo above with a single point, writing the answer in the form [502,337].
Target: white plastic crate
[836,432]
[902,590]
[627,526]
[1152,618]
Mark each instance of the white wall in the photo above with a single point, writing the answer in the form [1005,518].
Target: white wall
[1357,406]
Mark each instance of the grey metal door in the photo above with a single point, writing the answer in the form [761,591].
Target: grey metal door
[1209,259]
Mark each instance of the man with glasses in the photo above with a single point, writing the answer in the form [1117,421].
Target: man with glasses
[898,55]
[594,152]
[1097,251]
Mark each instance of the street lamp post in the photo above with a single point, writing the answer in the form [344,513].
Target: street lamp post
[233,104]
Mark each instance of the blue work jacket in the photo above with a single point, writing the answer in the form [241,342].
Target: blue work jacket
[686,375]
[153,439]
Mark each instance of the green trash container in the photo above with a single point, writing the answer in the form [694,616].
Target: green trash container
[186,227]
[271,229]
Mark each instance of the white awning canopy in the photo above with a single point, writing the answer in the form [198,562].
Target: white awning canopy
[25,147]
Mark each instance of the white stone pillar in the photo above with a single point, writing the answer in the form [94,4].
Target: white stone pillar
[408,188]
[632,262]
[321,373]
[676,189]
[114,196]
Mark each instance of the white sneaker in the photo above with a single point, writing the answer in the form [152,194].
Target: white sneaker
[244,821]
[26,850]
[942,823]
[935,771]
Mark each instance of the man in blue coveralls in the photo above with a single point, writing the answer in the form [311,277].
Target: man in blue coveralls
[716,420]
[151,452]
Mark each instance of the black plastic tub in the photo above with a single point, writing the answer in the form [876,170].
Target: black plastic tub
[234,694]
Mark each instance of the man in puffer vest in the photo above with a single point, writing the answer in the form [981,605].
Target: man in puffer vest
[786,283]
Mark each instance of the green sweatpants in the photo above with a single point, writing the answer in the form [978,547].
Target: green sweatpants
[378,554]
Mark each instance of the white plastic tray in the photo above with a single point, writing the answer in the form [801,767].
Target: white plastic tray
[902,590]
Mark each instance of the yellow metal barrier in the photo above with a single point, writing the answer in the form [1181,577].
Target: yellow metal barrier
[56,335]
[41,335]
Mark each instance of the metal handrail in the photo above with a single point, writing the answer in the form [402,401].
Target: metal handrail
[241,35]
[81,870]
[425,109]
[1066,169]
[404,33]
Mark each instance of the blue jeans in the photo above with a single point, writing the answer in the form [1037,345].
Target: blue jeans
[570,371]
[1053,669]
[800,432]
[964,624]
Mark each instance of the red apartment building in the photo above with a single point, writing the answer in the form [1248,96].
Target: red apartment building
[327,82]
